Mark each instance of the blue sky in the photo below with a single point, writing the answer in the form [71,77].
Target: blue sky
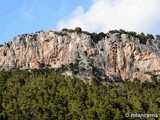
[28,16]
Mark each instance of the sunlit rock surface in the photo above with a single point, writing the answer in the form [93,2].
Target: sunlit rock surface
[114,55]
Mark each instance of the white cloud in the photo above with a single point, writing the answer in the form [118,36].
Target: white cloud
[104,15]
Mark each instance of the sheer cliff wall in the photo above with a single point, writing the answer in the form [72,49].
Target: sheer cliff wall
[115,54]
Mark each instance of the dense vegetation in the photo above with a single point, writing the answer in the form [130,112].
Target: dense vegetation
[142,37]
[46,95]
[78,30]
[99,36]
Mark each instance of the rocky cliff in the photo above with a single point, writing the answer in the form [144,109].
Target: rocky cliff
[114,54]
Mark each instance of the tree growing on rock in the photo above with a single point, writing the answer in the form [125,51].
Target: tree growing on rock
[78,30]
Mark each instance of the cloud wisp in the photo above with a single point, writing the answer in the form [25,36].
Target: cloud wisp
[104,15]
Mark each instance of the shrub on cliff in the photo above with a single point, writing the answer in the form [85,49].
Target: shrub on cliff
[68,30]
[149,37]
[101,35]
[121,31]
[64,29]
[78,30]
[96,37]
[60,33]
[144,38]
[132,33]
[113,31]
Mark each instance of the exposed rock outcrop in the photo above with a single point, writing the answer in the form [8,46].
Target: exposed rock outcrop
[114,55]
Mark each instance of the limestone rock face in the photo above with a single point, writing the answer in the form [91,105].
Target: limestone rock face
[114,55]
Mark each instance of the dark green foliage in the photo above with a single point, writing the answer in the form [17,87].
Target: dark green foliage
[149,37]
[85,32]
[113,31]
[96,37]
[46,95]
[74,67]
[122,31]
[61,33]
[68,30]
[78,30]
[132,33]
[71,30]
[136,80]
[154,78]
[101,35]
[64,29]
[142,37]
[43,65]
